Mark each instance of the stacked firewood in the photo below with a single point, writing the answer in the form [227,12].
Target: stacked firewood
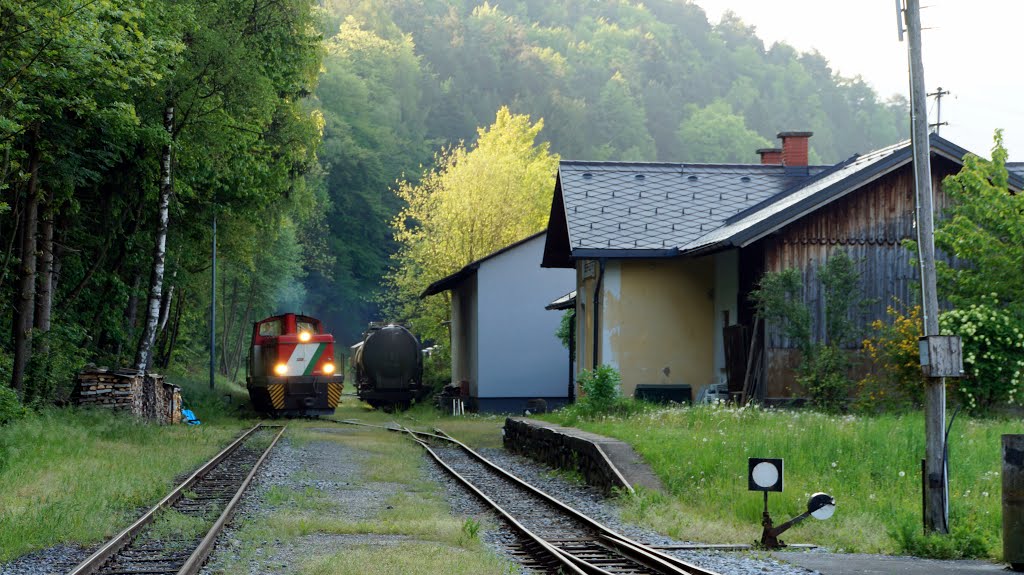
[120,389]
[144,395]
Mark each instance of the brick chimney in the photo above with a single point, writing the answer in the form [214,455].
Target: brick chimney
[794,148]
[770,156]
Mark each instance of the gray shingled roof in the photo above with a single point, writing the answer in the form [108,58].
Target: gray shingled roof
[654,206]
[626,209]
[843,176]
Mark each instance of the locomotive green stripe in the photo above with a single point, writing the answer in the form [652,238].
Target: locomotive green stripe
[315,359]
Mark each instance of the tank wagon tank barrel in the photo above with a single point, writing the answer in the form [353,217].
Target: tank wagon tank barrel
[388,366]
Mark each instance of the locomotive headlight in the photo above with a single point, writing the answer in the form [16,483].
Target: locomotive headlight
[305,336]
[281,369]
[328,368]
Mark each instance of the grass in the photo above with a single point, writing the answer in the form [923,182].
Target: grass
[78,476]
[871,465]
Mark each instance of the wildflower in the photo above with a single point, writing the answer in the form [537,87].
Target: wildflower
[835,463]
[902,473]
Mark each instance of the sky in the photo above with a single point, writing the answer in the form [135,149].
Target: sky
[973,49]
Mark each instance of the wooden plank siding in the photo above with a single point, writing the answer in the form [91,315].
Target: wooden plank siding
[870,224]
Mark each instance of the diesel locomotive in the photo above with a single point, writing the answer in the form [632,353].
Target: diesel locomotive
[291,370]
[388,367]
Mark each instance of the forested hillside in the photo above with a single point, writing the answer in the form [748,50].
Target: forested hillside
[127,126]
[612,80]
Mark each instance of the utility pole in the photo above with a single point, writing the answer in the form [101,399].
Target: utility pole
[213,302]
[938,94]
[935,493]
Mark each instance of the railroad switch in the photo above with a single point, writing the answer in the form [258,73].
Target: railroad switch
[766,475]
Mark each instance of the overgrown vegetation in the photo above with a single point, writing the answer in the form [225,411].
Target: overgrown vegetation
[984,230]
[74,475]
[477,200]
[125,127]
[871,464]
[896,381]
[825,361]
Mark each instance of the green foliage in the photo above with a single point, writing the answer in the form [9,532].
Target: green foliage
[476,201]
[86,88]
[52,374]
[715,134]
[779,300]
[896,381]
[824,362]
[993,347]
[10,408]
[565,327]
[984,230]
[600,388]
[964,541]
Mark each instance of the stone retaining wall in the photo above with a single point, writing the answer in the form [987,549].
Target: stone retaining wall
[549,444]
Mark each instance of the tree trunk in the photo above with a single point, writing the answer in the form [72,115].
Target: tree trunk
[165,357]
[143,356]
[243,337]
[229,322]
[165,305]
[23,311]
[44,281]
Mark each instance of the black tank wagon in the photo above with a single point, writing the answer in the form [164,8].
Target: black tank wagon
[388,367]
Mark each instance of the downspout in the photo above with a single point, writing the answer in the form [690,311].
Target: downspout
[572,355]
[597,309]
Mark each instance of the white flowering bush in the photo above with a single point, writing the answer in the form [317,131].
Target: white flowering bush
[993,347]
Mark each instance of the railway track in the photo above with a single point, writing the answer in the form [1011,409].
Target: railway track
[176,535]
[555,538]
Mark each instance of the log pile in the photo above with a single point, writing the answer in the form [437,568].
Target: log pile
[144,395]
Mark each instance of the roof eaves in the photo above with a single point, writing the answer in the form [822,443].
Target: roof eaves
[597,253]
[859,178]
[790,190]
[450,281]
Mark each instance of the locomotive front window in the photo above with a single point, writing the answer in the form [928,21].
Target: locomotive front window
[270,328]
[305,326]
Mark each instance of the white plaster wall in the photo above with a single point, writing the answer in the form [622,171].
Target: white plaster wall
[465,333]
[518,353]
[611,291]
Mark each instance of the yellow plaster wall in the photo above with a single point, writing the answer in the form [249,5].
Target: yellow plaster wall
[659,328]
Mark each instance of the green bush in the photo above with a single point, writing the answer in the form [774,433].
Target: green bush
[10,406]
[57,359]
[824,364]
[993,348]
[964,541]
[896,382]
[601,388]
